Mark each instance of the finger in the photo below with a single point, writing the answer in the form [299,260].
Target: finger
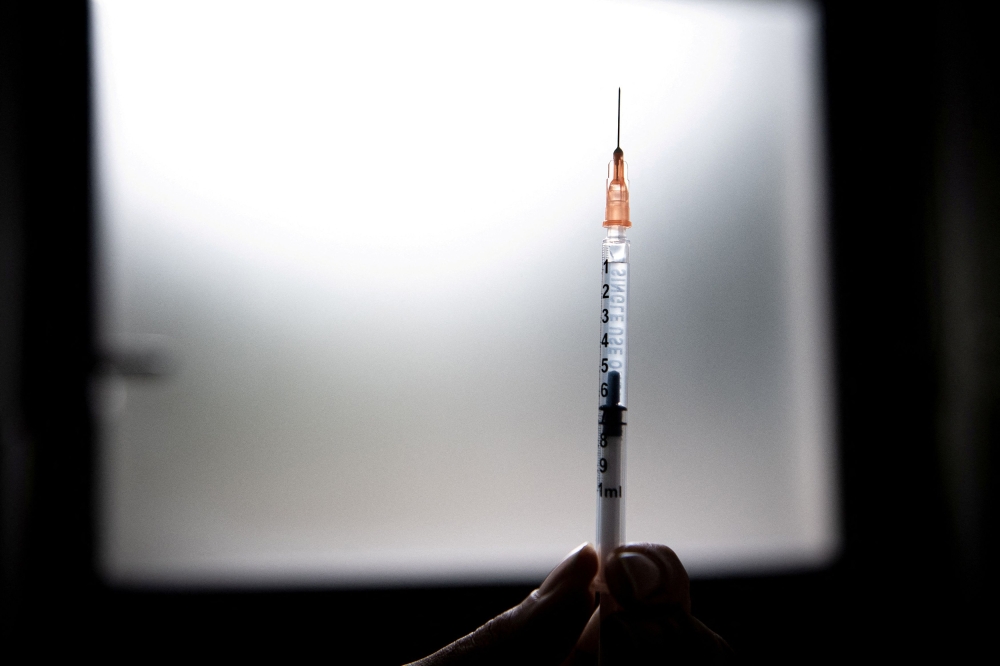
[542,629]
[644,575]
[584,653]
[652,588]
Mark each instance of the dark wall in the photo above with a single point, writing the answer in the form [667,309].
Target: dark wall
[913,108]
[46,320]
[913,145]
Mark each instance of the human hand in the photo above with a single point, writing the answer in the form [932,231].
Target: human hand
[559,624]
[652,621]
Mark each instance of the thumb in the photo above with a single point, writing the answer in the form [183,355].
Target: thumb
[542,629]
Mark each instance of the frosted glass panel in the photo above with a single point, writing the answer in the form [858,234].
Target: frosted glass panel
[350,260]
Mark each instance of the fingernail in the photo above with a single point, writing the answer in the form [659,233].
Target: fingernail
[641,573]
[577,568]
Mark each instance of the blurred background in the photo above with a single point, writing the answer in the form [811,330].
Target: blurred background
[277,277]
[372,282]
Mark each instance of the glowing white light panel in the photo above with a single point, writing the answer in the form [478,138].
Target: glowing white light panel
[369,236]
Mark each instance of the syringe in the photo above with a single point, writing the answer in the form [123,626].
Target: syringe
[613,401]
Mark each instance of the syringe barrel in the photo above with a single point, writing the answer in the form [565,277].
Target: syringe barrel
[614,313]
[613,394]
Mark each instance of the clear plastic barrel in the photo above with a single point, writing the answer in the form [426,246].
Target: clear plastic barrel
[613,394]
